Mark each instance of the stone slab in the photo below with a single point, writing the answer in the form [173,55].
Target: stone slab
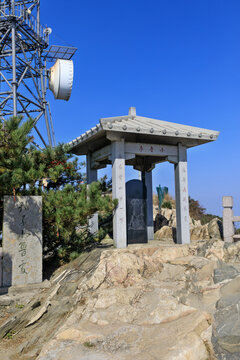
[22,240]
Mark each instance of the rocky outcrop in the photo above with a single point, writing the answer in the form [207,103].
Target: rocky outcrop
[165,227]
[131,307]
[154,301]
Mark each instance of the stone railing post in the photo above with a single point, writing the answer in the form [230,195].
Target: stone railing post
[228,227]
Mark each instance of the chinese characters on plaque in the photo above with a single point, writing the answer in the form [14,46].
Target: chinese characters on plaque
[157,149]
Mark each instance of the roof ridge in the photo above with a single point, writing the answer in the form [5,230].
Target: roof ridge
[115,119]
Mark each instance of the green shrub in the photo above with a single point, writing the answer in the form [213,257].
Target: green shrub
[167,205]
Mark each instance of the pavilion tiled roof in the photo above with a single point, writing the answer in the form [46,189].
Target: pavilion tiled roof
[159,131]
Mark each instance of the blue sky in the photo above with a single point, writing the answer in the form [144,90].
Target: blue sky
[176,60]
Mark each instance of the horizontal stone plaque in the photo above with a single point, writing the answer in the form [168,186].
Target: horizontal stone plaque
[22,240]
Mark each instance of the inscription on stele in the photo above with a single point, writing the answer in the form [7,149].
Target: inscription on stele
[22,240]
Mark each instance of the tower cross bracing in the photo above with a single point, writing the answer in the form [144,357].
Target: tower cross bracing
[23,70]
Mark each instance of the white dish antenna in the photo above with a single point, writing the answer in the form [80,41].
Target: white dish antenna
[61,79]
[47,31]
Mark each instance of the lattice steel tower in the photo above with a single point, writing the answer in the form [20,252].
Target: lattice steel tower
[24,55]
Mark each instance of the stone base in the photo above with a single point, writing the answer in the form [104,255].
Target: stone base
[3,290]
[20,289]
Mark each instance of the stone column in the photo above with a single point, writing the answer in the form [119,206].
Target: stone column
[91,177]
[181,197]
[147,180]
[228,226]
[119,192]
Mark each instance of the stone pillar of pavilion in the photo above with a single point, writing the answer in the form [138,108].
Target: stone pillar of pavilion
[142,143]
[119,193]
[147,179]
[181,197]
[91,177]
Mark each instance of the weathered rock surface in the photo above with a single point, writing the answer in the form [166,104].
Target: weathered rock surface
[164,233]
[224,272]
[215,229]
[199,232]
[155,301]
[227,326]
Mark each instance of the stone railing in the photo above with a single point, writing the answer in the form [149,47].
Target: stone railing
[229,219]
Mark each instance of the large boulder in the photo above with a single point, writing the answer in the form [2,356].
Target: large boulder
[166,232]
[160,221]
[215,229]
[199,232]
[170,215]
[165,227]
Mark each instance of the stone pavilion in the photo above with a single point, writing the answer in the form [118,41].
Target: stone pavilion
[142,143]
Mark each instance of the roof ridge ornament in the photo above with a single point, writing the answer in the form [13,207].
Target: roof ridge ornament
[132,111]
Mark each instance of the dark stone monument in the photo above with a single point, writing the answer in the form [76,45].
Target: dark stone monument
[136,212]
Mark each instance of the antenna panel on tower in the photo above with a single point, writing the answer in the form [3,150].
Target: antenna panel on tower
[60,52]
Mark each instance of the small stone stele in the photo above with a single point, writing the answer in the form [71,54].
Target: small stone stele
[136,212]
[22,240]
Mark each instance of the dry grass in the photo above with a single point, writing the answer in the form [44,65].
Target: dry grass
[167,198]
[155,200]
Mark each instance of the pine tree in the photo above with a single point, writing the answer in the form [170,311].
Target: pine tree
[56,176]
[14,139]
